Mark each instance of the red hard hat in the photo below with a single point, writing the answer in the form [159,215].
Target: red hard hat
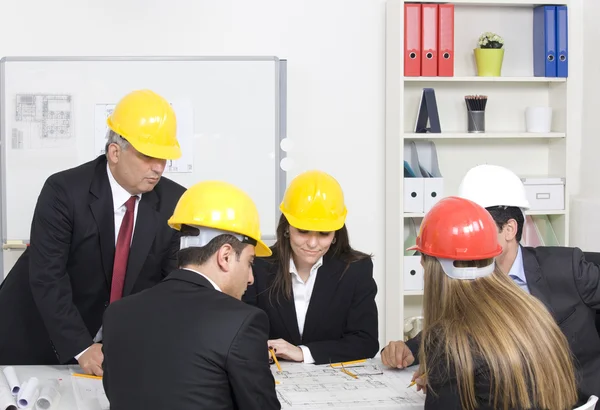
[458,229]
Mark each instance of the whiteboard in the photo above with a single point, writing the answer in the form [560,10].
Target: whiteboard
[234,109]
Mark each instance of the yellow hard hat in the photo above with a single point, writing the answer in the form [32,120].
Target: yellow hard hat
[314,201]
[221,206]
[147,121]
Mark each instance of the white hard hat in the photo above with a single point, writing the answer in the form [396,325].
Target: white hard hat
[493,185]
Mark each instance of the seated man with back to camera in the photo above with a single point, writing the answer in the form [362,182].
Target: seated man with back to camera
[189,342]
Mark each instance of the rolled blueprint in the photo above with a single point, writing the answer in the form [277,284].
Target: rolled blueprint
[7,400]
[49,396]
[29,393]
[12,379]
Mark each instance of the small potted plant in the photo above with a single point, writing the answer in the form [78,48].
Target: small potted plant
[489,55]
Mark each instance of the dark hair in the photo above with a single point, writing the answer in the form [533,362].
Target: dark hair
[282,253]
[199,255]
[503,214]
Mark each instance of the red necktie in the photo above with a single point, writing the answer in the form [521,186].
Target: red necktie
[122,251]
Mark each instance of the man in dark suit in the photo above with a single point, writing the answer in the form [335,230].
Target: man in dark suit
[79,258]
[189,342]
[560,277]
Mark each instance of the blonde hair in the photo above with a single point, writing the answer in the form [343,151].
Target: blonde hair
[491,321]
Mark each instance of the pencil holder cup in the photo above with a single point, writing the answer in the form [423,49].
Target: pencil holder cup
[538,119]
[476,121]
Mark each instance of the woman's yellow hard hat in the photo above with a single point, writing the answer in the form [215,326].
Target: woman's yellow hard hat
[314,201]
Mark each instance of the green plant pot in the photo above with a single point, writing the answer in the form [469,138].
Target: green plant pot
[489,61]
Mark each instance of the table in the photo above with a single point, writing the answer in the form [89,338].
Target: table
[300,386]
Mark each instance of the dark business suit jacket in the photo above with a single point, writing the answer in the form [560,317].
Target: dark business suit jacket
[341,321]
[443,392]
[569,287]
[185,345]
[594,257]
[54,297]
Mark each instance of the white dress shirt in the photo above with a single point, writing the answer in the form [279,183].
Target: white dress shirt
[119,196]
[302,292]
[205,277]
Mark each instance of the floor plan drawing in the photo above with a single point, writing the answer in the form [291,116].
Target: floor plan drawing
[317,387]
[42,121]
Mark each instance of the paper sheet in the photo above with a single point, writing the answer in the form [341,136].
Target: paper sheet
[89,393]
[42,121]
[7,400]
[29,393]
[12,379]
[184,112]
[49,396]
[310,386]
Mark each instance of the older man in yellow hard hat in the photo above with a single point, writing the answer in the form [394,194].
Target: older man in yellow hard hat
[99,233]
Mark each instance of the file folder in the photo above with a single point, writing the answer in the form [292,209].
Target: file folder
[544,41]
[413,183]
[562,41]
[428,113]
[446,40]
[433,183]
[429,40]
[412,40]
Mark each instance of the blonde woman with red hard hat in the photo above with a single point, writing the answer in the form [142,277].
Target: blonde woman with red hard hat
[559,277]
[318,291]
[485,344]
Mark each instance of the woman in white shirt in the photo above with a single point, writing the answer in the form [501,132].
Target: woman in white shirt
[318,292]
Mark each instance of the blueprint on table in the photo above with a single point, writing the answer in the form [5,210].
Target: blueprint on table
[312,387]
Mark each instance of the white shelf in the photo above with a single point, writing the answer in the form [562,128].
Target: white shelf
[511,3]
[556,212]
[486,79]
[506,143]
[487,135]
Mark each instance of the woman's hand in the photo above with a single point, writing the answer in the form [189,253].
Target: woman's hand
[420,380]
[286,350]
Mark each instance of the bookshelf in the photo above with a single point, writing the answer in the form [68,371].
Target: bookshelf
[505,141]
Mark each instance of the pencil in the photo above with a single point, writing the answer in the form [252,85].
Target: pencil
[348,363]
[89,376]
[414,382]
[275,359]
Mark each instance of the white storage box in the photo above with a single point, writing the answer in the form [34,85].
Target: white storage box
[413,273]
[545,193]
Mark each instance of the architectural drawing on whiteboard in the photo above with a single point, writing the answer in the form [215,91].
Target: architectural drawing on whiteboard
[42,121]
[325,387]
[185,130]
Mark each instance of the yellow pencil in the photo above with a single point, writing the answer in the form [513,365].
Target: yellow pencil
[414,382]
[348,363]
[89,376]
[275,359]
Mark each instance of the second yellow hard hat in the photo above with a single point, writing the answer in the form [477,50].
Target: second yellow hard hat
[314,201]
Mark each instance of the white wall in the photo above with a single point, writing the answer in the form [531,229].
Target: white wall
[335,53]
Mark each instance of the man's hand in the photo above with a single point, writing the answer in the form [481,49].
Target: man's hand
[286,350]
[91,360]
[420,380]
[397,354]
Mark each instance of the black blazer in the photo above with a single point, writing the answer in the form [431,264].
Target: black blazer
[184,345]
[59,288]
[594,257]
[569,287]
[341,321]
[444,394]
